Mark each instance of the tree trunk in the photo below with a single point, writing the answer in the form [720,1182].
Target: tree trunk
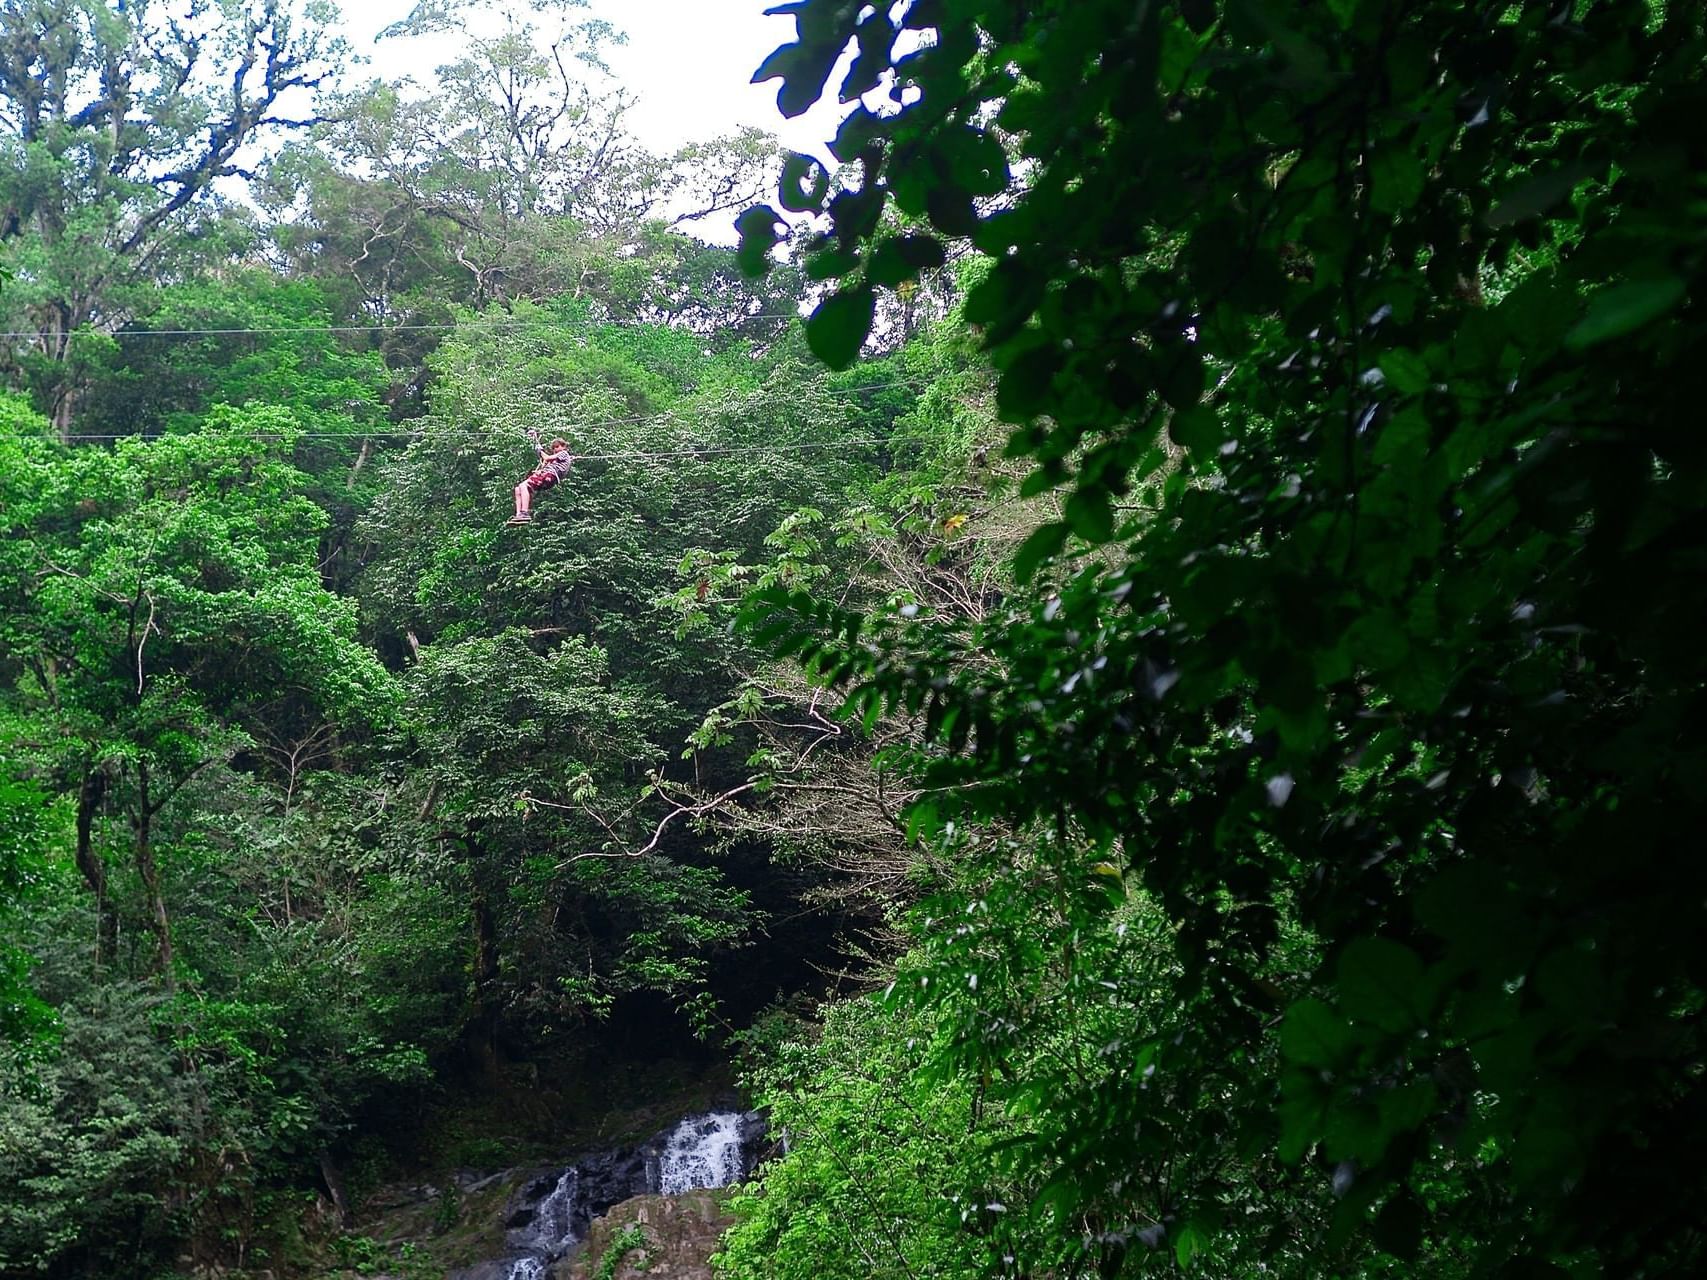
[89,797]
[64,403]
[361,461]
[335,1185]
[149,870]
[62,393]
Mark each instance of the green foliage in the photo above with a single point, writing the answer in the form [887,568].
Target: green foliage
[1398,653]
[919,1139]
[343,886]
[160,379]
[323,797]
[167,635]
[117,124]
[173,584]
[1249,517]
[513,175]
[365,1256]
[631,1239]
[549,685]
[87,1138]
[25,823]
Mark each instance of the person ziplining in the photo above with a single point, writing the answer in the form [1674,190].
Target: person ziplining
[555,463]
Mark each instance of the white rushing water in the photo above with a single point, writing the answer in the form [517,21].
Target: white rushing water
[552,1229]
[553,1225]
[701,1152]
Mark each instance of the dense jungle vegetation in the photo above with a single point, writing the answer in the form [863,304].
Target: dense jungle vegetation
[1158,729]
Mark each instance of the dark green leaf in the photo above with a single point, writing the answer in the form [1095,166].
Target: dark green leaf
[1535,194]
[1025,384]
[829,264]
[1182,377]
[758,228]
[1381,984]
[1621,308]
[803,67]
[950,210]
[1399,1226]
[900,258]
[838,328]
[1090,514]
[875,37]
[1403,1108]
[976,162]
[1196,428]
[1405,371]
[856,214]
[1313,1035]
[1042,543]
[1188,1243]
[858,131]
[1302,1112]
[1396,179]
[804,183]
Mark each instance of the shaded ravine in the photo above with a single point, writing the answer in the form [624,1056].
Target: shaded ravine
[549,1216]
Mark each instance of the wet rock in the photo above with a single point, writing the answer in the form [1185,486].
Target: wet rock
[550,1212]
[472,1181]
[681,1233]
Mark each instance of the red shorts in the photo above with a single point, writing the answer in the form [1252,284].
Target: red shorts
[540,480]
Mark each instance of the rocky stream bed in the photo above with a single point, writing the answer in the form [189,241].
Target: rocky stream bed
[656,1202]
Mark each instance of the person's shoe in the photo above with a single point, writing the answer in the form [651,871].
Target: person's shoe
[519,520]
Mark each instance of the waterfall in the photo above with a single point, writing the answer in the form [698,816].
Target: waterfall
[552,1230]
[701,1152]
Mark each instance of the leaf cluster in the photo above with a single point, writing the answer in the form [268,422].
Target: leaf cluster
[1392,308]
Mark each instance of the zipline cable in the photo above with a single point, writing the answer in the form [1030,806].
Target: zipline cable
[515,322]
[697,450]
[709,450]
[489,433]
[703,451]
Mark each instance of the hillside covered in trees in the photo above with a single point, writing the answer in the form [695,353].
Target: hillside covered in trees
[1126,668]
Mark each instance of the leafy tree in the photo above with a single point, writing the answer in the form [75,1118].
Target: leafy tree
[931,533]
[1363,340]
[88,1139]
[560,924]
[206,347]
[911,1159]
[549,692]
[262,897]
[513,175]
[165,594]
[668,432]
[875,1157]
[179,677]
[249,338]
[24,826]
[115,125]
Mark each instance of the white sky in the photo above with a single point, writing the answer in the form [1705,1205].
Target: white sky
[688,60]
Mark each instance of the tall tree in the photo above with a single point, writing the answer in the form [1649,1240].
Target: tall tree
[116,125]
[547,688]
[514,172]
[154,619]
